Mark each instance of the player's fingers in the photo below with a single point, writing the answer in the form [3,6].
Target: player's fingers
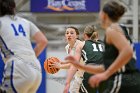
[92,84]
[52,65]
[54,62]
[69,58]
[93,81]
[66,62]
[97,84]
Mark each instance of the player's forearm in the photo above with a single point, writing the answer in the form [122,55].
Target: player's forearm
[93,69]
[65,66]
[40,47]
[71,72]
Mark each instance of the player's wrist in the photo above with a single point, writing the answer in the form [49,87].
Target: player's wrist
[67,83]
[108,73]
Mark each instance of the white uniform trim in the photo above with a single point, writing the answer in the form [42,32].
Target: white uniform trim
[75,86]
[117,84]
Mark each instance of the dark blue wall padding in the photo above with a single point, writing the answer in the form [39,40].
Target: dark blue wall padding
[42,57]
[1,69]
[137,47]
[42,88]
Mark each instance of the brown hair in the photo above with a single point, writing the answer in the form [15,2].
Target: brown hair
[91,32]
[76,30]
[114,10]
[7,7]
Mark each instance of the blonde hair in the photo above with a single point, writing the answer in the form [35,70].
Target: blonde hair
[91,32]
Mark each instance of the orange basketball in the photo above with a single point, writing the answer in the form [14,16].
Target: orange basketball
[47,65]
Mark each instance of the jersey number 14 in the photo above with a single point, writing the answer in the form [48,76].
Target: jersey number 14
[18,30]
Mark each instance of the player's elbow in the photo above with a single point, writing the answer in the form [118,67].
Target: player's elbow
[44,42]
[130,51]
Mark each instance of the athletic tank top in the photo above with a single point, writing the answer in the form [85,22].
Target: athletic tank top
[79,73]
[111,54]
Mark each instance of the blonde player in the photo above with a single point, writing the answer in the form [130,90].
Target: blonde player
[22,72]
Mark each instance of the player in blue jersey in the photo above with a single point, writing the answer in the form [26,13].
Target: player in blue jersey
[22,73]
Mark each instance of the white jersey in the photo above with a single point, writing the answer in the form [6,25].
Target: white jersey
[75,85]
[22,68]
[15,35]
[79,73]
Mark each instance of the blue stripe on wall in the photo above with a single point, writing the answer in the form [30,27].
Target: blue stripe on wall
[42,57]
[1,69]
[137,47]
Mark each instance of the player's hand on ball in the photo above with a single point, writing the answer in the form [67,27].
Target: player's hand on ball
[56,64]
[49,68]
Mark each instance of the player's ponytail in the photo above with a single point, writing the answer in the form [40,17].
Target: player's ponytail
[94,35]
[91,32]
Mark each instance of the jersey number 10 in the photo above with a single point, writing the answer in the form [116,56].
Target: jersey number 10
[18,30]
[97,47]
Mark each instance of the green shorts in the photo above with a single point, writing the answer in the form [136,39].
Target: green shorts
[86,88]
[124,83]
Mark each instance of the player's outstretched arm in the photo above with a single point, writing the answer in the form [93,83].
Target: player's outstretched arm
[93,69]
[61,65]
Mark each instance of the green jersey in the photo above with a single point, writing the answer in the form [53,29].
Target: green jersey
[127,79]
[92,52]
[111,53]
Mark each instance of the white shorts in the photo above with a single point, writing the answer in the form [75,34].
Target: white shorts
[21,76]
[75,86]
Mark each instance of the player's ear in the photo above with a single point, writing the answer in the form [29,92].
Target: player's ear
[85,36]
[77,36]
[102,15]
[105,16]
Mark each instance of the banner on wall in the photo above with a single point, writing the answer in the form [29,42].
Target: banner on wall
[65,6]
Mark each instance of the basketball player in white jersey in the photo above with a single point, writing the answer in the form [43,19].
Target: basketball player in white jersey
[72,35]
[22,73]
